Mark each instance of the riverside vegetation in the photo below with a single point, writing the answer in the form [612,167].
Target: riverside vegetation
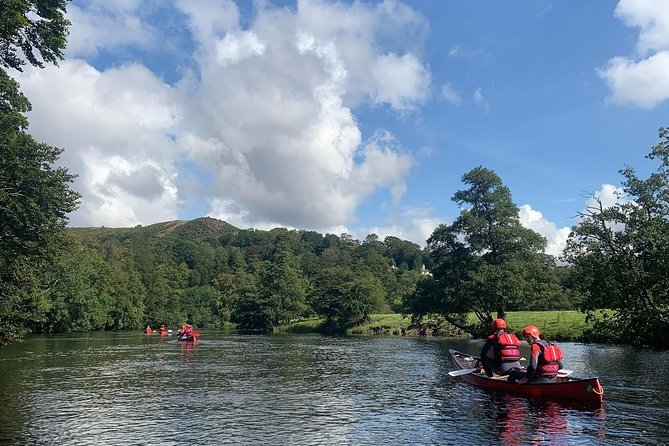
[565,325]
[482,265]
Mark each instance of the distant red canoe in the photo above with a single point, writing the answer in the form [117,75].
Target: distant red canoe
[587,390]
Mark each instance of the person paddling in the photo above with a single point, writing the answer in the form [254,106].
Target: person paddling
[162,329]
[505,349]
[186,331]
[148,329]
[545,361]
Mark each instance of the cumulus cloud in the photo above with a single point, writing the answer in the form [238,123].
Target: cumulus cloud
[644,83]
[104,25]
[556,237]
[415,225]
[652,16]
[608,195]
[264,116]
[641,79]
[403,82]
[115,126]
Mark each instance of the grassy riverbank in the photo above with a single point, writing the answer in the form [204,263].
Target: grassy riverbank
[556,325]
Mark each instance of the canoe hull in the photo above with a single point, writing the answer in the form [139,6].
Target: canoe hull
[588,390]
[184,338]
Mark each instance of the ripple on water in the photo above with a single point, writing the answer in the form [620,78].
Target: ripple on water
[254,389]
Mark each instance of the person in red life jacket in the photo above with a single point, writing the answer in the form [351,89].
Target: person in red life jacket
[162,329]
[545,361]
[148,329]
[505,350]
[186,330]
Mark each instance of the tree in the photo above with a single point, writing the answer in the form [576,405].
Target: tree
[280,297]
[32,26]
[620,256]
[346,298]
[486,260]
[35,197]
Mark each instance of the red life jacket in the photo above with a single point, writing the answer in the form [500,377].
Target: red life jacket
[507,347]
[549,357]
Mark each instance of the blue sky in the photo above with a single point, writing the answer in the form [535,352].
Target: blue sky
[357,117]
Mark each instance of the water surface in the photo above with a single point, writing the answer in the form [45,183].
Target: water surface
[130,388]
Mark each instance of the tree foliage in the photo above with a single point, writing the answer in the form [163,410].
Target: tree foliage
[485,261]
[620,255]
[346,298]
[217,274]
[35,196]
[36,28]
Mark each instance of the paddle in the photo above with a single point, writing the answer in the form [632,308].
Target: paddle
[461,372]
[561,373]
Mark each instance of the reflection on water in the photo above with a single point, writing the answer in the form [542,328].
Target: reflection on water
[522,421]
[114,388]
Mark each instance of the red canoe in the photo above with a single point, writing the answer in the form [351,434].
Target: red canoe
[190,337]
[587,390]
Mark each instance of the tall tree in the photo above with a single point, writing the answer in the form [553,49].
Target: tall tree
[486,260]
[620,255]
[35,197]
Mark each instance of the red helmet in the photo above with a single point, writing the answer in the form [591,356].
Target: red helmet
[532,331]
[498,324]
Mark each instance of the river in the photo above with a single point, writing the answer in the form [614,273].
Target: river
[129,388]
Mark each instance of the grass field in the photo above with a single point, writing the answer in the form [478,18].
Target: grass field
[556,325]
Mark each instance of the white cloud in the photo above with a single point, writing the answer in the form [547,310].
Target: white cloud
[378,46]
[652,16]
[264,117]
[115,128]
[112,199]
[644,83]
[641,80]
[480,100]
[608,195]
[403,82]
[556,238]
[450,95]
[413,224]
[237,46]
[210,19]
[105,25]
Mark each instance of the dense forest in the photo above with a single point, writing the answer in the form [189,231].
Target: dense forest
[214,273]
[56,279]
